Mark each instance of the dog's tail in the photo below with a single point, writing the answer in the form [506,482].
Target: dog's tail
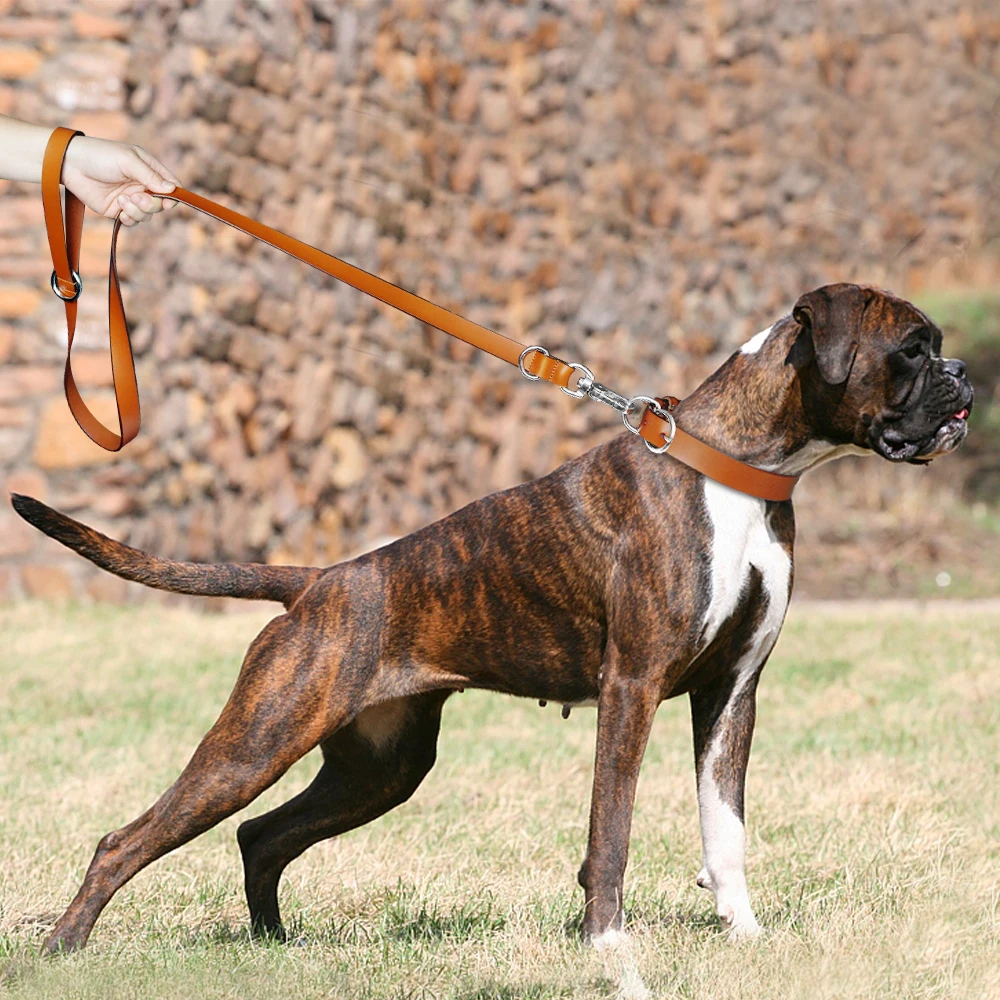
[254,581]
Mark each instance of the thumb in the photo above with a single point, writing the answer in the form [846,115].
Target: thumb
[143,172]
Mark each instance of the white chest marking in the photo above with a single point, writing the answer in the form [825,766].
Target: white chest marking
[754,344]
[741,539]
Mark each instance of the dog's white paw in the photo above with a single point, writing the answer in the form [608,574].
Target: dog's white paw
[631,986]
[739,925]
[609,940]
[619,960]
[704,880]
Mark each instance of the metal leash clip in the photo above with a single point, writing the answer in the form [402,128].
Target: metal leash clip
[587,386]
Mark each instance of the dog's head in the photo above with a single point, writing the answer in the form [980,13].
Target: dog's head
[872,374]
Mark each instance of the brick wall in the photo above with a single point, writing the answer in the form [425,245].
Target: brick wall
[639,186]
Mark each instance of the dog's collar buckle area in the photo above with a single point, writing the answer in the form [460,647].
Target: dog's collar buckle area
[656,407]
[627,405]
[716,465]
[659,432]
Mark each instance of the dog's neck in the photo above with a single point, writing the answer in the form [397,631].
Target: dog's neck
[751,408]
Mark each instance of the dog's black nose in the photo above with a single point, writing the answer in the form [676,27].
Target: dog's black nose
[953,366]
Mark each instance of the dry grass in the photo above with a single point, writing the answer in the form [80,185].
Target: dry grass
[873,809]
[873,529]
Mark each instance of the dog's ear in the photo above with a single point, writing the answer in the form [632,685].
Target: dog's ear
[829,321]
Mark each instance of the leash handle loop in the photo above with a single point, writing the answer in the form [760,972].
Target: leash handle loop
[64,237]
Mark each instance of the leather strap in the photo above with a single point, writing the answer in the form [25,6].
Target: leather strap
[65,247]
[548,368]
[713,463]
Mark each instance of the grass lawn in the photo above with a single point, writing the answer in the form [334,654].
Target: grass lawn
[873,809]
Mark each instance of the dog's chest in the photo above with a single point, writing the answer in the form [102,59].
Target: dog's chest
[742,539]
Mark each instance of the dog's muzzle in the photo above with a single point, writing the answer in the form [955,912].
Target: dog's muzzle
[937,422]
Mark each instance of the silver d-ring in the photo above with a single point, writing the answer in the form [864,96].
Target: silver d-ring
[669,440]
[77,285]
[586,375]
[628,410]
[520,361]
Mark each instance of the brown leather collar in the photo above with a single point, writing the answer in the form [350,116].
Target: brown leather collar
[658,429]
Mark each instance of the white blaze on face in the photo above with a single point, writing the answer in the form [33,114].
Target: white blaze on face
[754,344]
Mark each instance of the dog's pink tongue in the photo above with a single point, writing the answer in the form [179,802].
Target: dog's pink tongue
[961,415]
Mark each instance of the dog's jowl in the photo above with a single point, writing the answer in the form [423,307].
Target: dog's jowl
[622,577]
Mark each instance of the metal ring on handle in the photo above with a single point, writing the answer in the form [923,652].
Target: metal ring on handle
[586,377]
[520,361]
[77,284]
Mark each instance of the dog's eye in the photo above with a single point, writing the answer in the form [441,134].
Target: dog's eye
[907,362]
[914,350]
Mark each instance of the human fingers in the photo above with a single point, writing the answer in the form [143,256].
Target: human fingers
[130,214]
[168,177]
[134,167]
[147,203]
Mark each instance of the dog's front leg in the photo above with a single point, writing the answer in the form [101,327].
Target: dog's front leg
[723,716]
[625,711]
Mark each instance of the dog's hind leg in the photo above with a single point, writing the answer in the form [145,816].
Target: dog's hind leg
[369,767]
[250,746]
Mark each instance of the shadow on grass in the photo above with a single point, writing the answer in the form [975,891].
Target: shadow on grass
[497,991]
[407,918]
[652,914]
[15,971]
[399,915]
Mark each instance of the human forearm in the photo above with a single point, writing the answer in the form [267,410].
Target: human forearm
[22,147]
[111,178]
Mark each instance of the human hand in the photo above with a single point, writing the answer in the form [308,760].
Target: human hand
[111,178]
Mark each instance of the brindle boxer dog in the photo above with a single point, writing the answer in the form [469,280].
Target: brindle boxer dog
[622,577]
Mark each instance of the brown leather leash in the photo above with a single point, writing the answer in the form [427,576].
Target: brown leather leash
[656,427]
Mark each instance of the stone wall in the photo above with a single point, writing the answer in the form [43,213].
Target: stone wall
[640,186]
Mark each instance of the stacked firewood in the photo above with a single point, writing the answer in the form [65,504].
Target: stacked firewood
[636,186]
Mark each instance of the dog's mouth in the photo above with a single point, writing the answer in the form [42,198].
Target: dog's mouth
[891,443]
